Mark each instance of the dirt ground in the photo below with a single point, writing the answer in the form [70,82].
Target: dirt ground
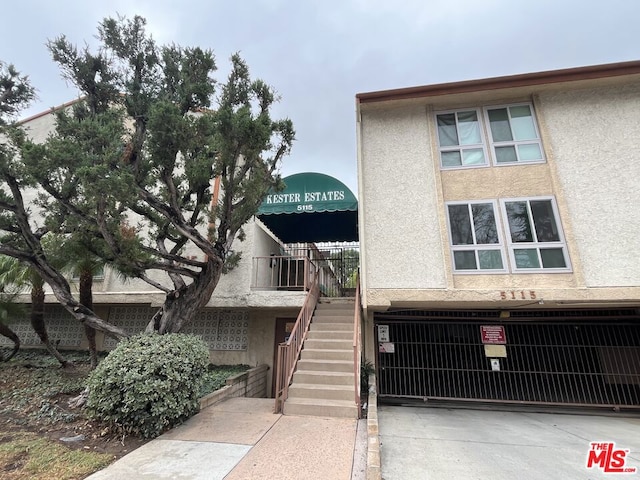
[94,437]
[31,400]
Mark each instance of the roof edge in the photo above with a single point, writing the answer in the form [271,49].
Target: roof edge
[50,110]
[519,80]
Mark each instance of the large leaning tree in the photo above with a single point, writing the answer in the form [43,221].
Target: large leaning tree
[21,230]
[130,170]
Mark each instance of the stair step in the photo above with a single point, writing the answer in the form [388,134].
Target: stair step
[326,392]
[326,365]
[330,335]
[320,408]
[332,326]
[323,384]
[327,354]
[336,308]
[332,318]
[337,303]
[322,377]
[330,344]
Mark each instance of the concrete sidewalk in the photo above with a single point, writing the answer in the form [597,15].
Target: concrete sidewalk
[242,439]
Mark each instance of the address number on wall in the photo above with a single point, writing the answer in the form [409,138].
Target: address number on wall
[518,295]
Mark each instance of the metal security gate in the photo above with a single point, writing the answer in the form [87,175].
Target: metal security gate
[586,358]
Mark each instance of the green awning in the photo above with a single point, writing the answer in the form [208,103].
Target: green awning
[312,208]
[310,192]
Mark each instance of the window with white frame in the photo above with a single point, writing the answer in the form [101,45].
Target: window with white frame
[535,238]
[514,134]
[476,243]
[460,139]
[511,134]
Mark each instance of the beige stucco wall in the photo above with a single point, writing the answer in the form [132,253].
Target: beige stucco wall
[588,136]
[593,137]
[40,127]
[398,203]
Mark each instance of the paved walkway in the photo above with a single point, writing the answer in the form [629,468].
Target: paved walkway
[438,443]
[242,439]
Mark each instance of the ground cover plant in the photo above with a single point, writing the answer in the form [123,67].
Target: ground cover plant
[35,417]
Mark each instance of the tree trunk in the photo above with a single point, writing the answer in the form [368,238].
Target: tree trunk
[7,332]
[86,299]
[180,306]
[37,322]
[62,292]
[40,264]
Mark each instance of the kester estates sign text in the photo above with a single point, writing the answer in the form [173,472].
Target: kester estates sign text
[304,199]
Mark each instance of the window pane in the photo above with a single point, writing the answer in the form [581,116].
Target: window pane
[529,152]
[484,222]
[451,159]
[469,128]
[490,259]
[519,223]
[552,258]
[500,129]
[465,260]
[447,130]
[460,224]
[522,123]
[544,220]
[506,154]
[526,258]
[473,156]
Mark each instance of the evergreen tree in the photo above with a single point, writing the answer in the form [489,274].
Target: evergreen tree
[22,232]
[131,165]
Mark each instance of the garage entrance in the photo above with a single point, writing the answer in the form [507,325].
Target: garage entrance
[578,357]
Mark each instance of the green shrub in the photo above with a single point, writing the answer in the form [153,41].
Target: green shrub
[148,383]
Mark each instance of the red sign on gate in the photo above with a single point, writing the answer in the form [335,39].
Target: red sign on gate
[493,334]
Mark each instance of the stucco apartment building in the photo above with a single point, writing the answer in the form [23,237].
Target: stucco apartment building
[499,226]
[255,305]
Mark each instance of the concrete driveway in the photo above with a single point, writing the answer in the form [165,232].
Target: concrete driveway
[442,443]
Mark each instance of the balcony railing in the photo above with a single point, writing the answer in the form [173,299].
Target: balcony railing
[336,268]
[280,272]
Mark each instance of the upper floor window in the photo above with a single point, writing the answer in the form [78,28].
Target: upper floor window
[460,139]
[475,238]
[512,135]
[535,242]
[535,237]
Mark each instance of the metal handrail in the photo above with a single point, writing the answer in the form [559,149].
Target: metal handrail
[289,351]
[357,349]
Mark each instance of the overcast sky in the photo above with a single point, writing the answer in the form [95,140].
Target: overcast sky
[319,54]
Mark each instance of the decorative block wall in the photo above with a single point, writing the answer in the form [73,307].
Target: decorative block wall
[220,329]
[63,329]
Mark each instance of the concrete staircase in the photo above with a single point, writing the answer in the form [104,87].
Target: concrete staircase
[322,385]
